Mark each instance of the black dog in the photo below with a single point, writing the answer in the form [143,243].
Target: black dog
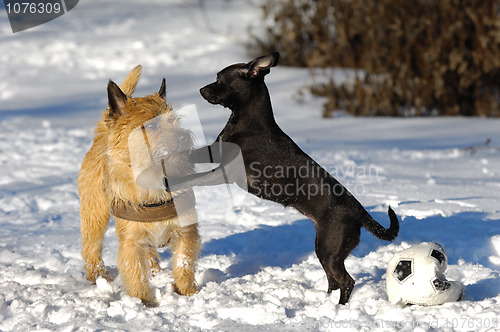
[278,170]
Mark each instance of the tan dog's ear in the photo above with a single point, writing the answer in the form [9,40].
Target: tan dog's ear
[163,90]
[116,100]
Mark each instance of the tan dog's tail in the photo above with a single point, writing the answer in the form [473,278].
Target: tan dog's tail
[128,85]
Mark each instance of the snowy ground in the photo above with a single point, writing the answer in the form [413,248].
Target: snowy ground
[258,269]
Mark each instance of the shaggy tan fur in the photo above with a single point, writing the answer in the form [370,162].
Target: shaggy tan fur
[107,178]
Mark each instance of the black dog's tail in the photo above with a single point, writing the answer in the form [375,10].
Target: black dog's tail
[379,231]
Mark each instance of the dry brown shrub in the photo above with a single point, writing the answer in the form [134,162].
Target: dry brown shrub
[419,57]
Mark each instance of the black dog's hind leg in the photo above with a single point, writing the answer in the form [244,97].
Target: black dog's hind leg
[332,284]
[333,245]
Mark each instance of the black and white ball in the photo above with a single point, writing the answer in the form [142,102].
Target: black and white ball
[416,276]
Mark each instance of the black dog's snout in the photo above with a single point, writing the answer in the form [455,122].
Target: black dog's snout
[203,91]
[207,93]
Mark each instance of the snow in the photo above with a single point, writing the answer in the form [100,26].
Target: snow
[257,269]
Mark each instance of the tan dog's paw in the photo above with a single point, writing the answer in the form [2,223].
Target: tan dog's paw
[93,271]
[150,303]
[185,288]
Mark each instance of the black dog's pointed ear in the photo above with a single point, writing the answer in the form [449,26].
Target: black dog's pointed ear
[261,65]
[116,100]
[163,90]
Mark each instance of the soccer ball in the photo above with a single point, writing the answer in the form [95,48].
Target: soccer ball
[415,276]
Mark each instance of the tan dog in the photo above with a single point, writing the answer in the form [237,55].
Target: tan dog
[107,184]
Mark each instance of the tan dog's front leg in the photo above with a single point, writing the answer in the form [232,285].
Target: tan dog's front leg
[134,265]
[186,250]
[94,222]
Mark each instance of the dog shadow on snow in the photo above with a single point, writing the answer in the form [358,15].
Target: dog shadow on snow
[280,246]
[272,246]
[465,236]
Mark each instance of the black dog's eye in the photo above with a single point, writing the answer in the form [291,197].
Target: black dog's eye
[218,82]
